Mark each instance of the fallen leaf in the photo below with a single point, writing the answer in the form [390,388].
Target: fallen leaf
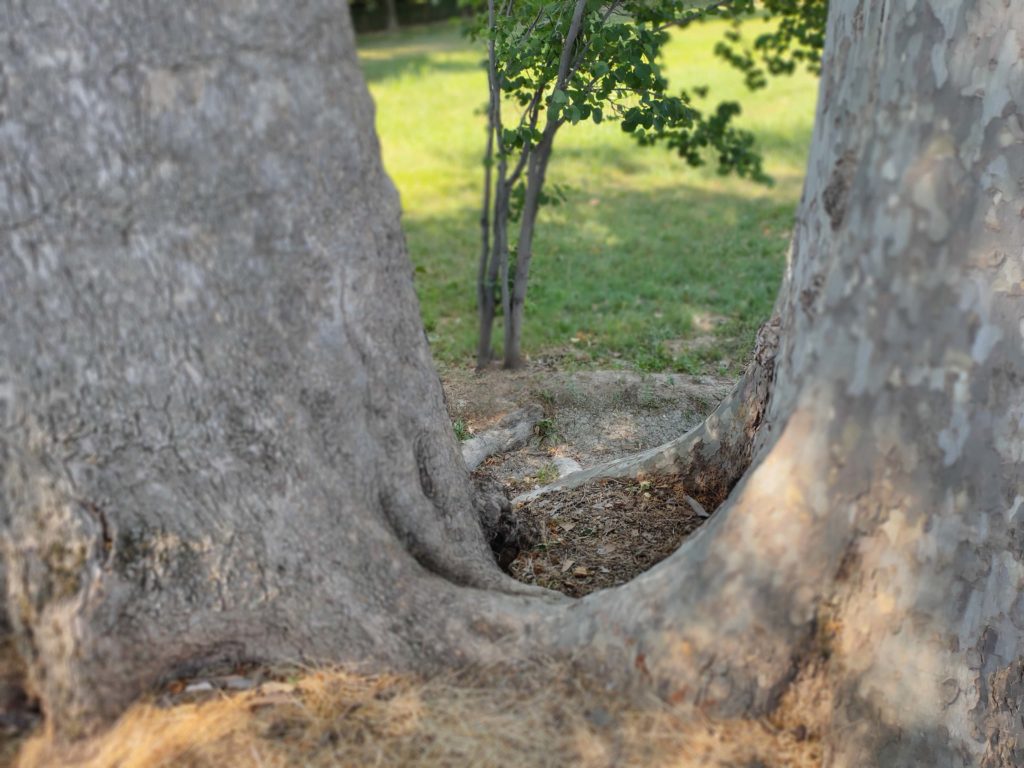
[567,564]
[581,571]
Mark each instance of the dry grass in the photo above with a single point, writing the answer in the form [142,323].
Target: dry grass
[542,716]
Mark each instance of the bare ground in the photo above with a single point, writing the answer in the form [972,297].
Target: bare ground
[590,416]
[606,532]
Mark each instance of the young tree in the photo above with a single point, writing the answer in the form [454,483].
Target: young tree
[222,437]
[567,62]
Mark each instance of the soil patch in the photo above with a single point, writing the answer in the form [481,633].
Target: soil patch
[606,532]
[590,416]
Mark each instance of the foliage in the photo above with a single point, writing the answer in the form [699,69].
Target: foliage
[795,39]
[614,73]
[572,61]
[462,430]
[642,253]
[547,431]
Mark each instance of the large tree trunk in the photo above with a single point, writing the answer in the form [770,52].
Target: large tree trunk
[223,433]
[223,437]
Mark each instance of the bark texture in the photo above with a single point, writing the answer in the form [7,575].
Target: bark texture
[222,436]
[222,432]
[873,550]
[865,576]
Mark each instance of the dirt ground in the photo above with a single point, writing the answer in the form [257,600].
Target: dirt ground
[590,416]
[604,533]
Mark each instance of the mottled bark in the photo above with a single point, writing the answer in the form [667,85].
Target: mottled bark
[871,560]
[222,437]
[873,550]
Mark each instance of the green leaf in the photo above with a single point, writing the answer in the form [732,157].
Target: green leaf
[597,114]
[559,97]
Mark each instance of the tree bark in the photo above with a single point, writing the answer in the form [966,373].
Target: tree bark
[392,9]
[537,167]
[222,437]
[485,299]
[223,434]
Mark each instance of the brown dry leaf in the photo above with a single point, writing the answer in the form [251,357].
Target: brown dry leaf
[618,527]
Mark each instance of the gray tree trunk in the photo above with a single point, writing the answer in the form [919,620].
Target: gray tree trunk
[223,433]
[392,9]
[223,438]
[537,167]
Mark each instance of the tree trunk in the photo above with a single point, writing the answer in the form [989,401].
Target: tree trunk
[392,9]
[537,167]
[490,255]
[224,435]
[223,441]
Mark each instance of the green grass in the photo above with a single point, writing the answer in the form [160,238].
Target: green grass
[644,255]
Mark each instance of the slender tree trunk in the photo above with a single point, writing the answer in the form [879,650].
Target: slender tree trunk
[536,171]
[494,259]
[222,437]
[484,285]
[392,9]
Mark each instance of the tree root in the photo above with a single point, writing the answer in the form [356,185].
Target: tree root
[510,433]
[710,457]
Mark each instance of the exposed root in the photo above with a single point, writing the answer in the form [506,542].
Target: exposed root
[712,456]
[510,433]
[507,533]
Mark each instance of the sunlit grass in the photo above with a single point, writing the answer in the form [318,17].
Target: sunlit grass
[644,251]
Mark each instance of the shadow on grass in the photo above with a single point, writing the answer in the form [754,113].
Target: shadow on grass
[672,279]
[777,147]
[418,64]
[424,50]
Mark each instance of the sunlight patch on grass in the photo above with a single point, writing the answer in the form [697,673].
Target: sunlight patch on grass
[642,244]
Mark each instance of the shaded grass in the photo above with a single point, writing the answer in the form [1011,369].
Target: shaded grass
[642,246]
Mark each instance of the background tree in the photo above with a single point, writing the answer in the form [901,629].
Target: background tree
[223,439]
[565,63]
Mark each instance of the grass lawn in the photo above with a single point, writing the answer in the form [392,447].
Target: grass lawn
[649,263]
